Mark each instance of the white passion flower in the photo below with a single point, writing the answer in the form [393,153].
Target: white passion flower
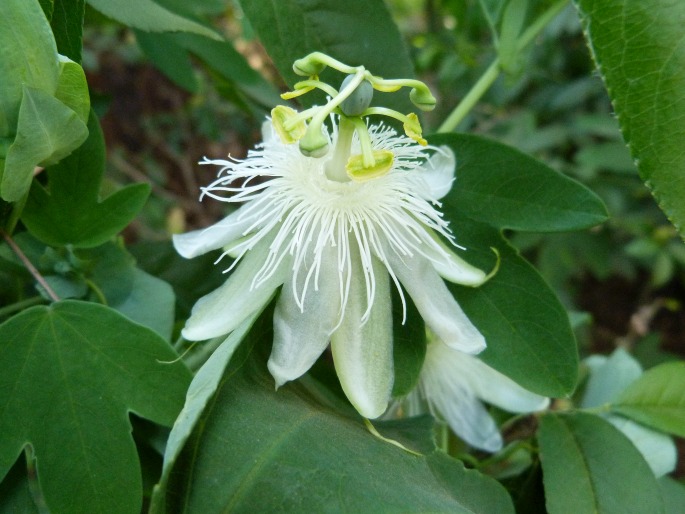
[335,229]
[454,385]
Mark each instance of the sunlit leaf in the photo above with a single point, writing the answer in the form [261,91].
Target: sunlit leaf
[72,88]
[71,374]
[47,131]
[28,57]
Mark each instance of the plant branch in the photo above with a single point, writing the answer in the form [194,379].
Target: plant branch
[30,267]
[492,72]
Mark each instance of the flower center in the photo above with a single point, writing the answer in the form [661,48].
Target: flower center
[352,104]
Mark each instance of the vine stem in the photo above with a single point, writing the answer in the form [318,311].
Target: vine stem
[30,267]
[492,72]
[21,305]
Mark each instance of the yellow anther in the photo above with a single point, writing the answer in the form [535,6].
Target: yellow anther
[356,170]
[412,128]
[279,116]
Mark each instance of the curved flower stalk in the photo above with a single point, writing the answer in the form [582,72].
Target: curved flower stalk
[454,386]
[336,231]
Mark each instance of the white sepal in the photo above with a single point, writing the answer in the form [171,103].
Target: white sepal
[222,233]
[435,303]
[438,172]
[362,352]
[301,334]
[222,310]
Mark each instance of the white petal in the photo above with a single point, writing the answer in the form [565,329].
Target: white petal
[363,353]
[301,336]
[222,310]
[460,408]
[610,377]
[435,303]
[452,267]
[222,233]
[267,131]
[438,172]
[493,387]
[657,448]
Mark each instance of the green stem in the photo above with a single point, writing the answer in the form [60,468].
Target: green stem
[471,99]
[20,305]
[17,209]
[98,292]
[492,72]
[335,167]
[532,32]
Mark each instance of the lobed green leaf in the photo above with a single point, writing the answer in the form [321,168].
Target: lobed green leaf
[72,372]
[70,210]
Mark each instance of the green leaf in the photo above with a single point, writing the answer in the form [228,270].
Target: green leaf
[71,374]
[512,23]
[590,466]
[356,32]
[190,278]
[47,6]
[409,345]
[15,491]
[221,57]
[28,58]
[200,392]
[150,16]
[67,27]
[639,49]
[72,88]
[150,303]
[70,211]
[657,398]
[527,330]
[47,131]
[285,461]
[505,188]
[673,494]
[171,59]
